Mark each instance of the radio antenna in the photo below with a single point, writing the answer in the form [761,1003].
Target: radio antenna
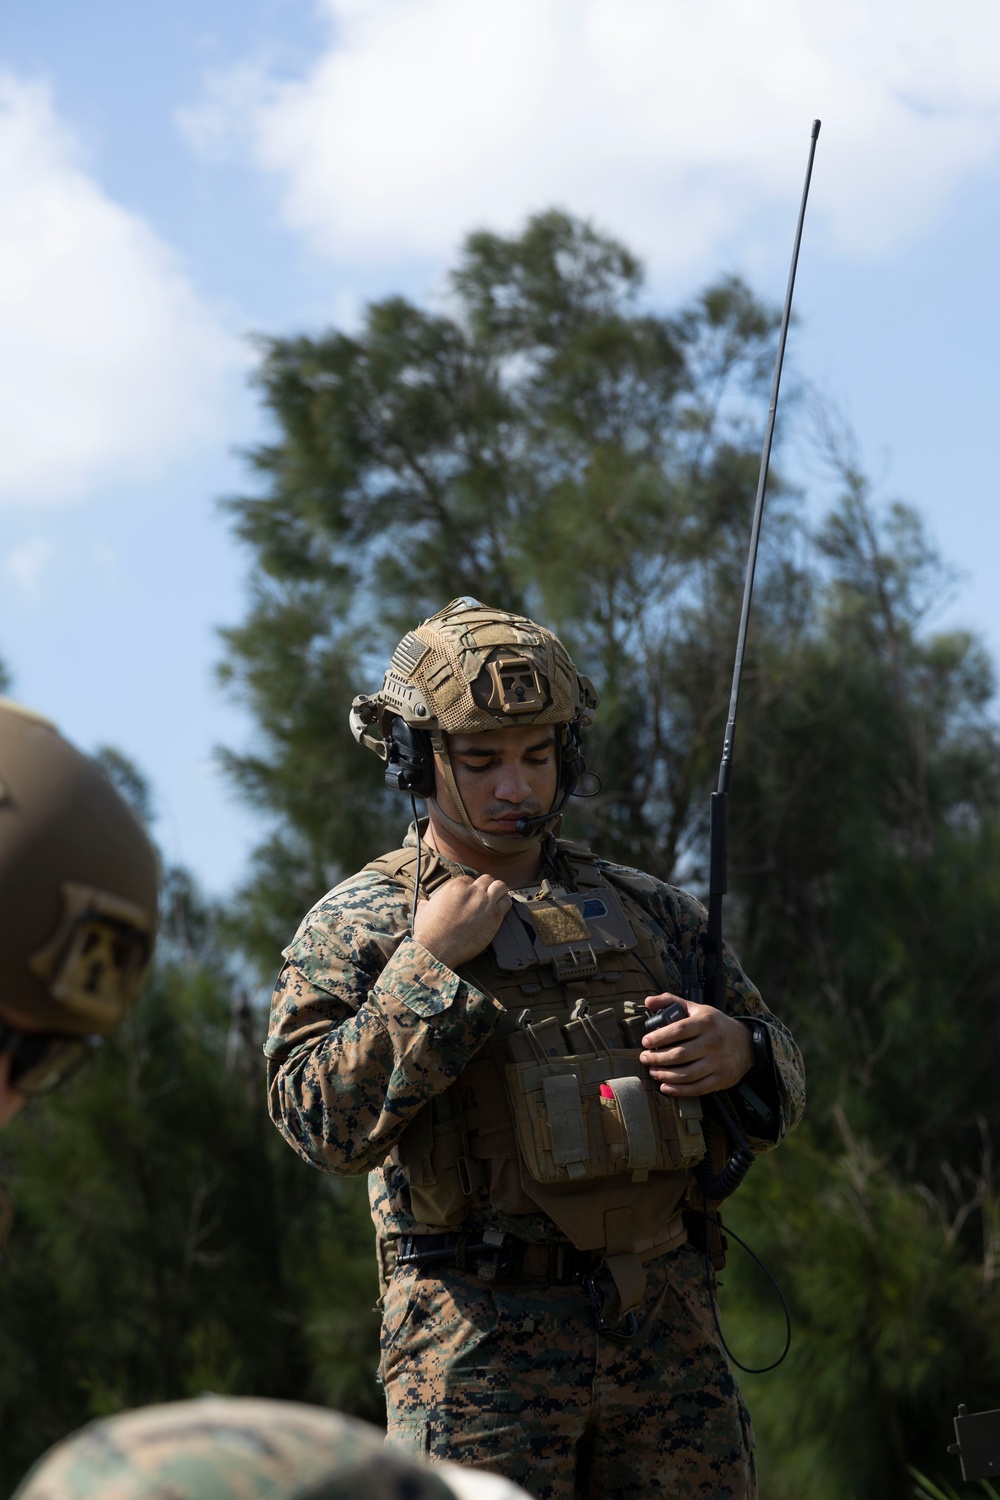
[718,875]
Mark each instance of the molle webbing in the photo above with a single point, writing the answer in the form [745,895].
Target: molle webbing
[555,1112]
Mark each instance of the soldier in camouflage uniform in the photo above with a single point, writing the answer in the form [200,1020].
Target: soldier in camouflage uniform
[231,1448]
[78,890]
[466,1020]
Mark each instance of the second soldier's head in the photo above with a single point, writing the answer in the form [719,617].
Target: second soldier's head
[78,897]
[241,1448]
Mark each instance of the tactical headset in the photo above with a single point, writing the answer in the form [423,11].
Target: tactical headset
[410,767]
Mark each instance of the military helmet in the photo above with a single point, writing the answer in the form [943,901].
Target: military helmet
[470,668]
[78,885]
[239,1448]
[467,669]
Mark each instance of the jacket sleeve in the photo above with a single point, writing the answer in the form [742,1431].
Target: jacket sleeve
[366,1026]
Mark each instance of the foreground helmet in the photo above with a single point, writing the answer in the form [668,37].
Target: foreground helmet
[467,669]
[78,886]
[238,1448]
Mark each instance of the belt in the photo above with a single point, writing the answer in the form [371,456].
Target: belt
[493,1256]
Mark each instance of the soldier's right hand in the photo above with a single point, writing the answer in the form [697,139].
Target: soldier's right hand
[462,918]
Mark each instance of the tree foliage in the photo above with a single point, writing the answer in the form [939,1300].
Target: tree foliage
[546,441]
[867,854]
[545,444]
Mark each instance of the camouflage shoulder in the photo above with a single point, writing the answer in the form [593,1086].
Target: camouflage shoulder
[231,1448]
[369,897]
[355,929]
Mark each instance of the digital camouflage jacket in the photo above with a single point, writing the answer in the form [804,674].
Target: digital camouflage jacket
[367,1026]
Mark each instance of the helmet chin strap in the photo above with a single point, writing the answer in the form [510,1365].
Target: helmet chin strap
[463,828]
[497,843]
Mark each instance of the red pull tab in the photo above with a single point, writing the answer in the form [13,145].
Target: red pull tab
[607,1092]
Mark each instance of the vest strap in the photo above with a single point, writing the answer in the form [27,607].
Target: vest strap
[564,1108]
[400,865]
[624,1265]
[629,1276]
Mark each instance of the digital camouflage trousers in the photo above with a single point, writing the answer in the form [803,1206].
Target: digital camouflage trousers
[514,1377]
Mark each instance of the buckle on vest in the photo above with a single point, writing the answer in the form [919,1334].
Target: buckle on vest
[575,963]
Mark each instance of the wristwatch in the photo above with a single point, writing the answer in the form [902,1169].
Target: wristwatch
[760,1041]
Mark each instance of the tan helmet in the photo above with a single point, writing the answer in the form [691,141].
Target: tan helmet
[230,1448]
[78,885]
[467,669]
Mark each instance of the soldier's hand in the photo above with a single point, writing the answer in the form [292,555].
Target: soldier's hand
[703,1052]
[462,918]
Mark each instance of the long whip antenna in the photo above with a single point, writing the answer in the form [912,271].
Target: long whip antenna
[718,843]
[717,1184]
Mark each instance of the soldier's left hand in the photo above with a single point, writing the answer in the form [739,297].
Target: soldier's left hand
[701,1053]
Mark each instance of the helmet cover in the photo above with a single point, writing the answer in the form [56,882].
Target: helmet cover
[230,1448]
[470,668]
[78,884]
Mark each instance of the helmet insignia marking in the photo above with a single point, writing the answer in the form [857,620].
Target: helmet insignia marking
[409,654]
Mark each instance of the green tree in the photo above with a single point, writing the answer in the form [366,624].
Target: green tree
[548,442]
[867,852]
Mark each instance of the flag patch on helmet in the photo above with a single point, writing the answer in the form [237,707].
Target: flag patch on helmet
[409,654]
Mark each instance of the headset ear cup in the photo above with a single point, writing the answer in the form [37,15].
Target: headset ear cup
[410,764]
[571,762]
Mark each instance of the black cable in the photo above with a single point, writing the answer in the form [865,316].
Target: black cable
[743,1149]
[747,1369]
[654,977]
[730,1123]
[555,863]
[416,881]
[737,1134]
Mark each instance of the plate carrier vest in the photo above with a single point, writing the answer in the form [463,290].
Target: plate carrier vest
[555,1112]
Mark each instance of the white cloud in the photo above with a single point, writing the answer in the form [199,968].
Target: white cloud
[44,565]
[110,366]
[678,123]
[26,565]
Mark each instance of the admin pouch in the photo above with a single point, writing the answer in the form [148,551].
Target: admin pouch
[555,1112]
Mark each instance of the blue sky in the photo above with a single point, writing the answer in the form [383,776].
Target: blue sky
[176,176]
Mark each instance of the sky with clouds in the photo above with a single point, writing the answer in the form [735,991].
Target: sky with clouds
[173,178]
